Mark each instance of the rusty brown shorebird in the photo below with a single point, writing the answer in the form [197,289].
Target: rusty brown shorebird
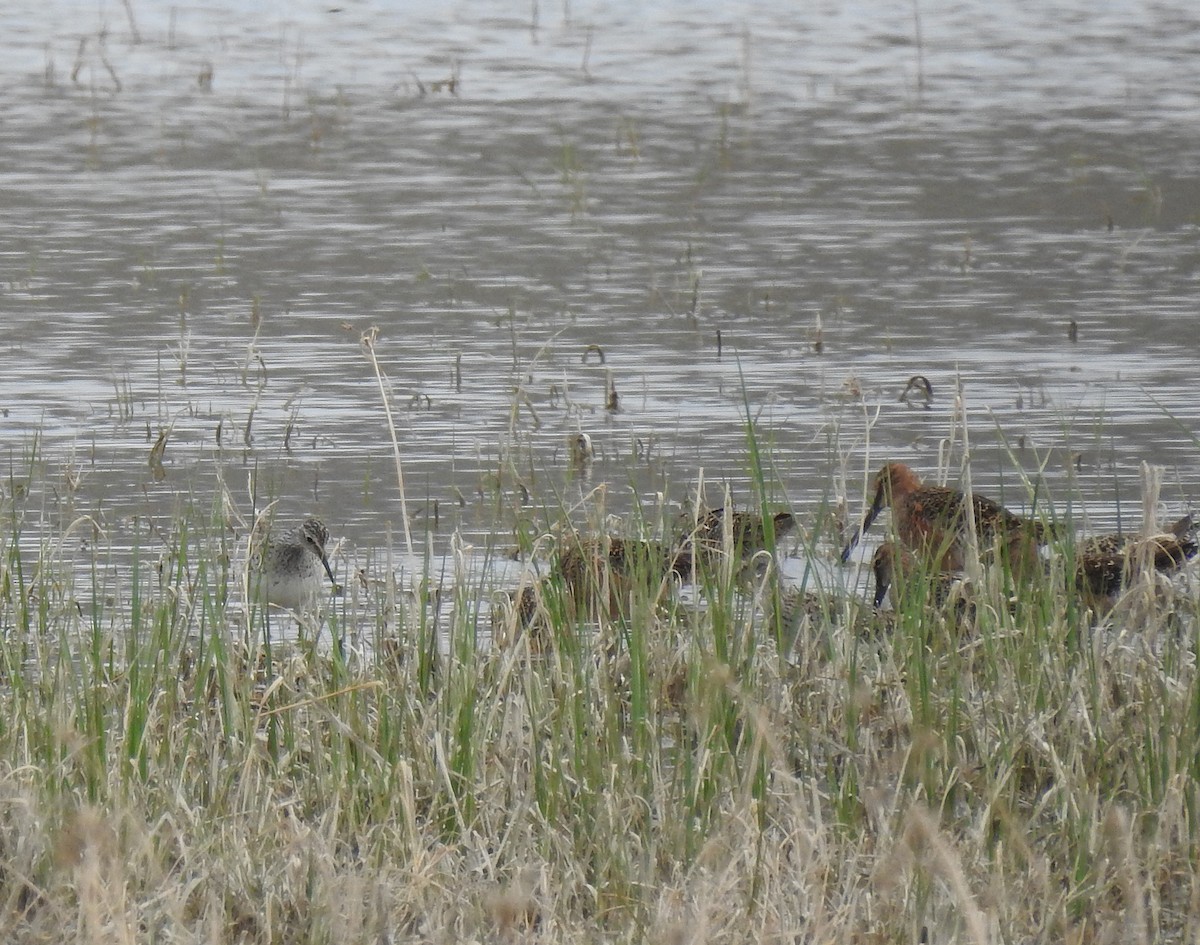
[893,567]
[930,521]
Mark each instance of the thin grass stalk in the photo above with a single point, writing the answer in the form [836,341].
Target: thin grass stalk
[91,709]
[139,678]
[642,622]
[973,566]
[367,340]
[428,655]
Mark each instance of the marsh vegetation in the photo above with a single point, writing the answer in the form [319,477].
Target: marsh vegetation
[511,299]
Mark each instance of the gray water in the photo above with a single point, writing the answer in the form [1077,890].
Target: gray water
[207,205]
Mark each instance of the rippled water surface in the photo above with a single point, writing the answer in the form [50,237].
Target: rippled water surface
[773,210]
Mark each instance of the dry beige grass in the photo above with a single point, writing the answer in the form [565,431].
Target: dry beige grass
[667,777]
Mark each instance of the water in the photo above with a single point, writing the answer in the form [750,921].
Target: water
[845,205]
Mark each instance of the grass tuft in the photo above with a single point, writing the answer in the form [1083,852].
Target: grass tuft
[738,760]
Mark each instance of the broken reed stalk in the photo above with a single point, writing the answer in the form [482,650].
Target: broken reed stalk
[368,343]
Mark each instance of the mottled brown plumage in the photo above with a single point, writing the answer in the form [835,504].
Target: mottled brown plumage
[704,539]
[1179,535]
[896,568]
[521,613]
[601,573]
[930,521]
[1105,564]
[795,608]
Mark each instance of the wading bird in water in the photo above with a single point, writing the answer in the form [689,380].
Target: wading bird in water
[930,521]
[289,569]
[744,534]
[1105,564]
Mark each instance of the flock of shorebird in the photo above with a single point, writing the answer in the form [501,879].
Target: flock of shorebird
[599,574]
[936,526]
[936,530]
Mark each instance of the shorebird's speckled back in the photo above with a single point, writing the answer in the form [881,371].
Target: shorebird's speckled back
[704,543]
[592,567]
[930,521]
[1105,563]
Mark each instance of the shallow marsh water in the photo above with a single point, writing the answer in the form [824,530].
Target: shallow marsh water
[208,205]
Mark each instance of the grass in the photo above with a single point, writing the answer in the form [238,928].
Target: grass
[170,774]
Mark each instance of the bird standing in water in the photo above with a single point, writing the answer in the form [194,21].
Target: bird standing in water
[930,521]
[900,577]
[289,569]
[1179,540]
[601,573]
[707,539]
[1105,564]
